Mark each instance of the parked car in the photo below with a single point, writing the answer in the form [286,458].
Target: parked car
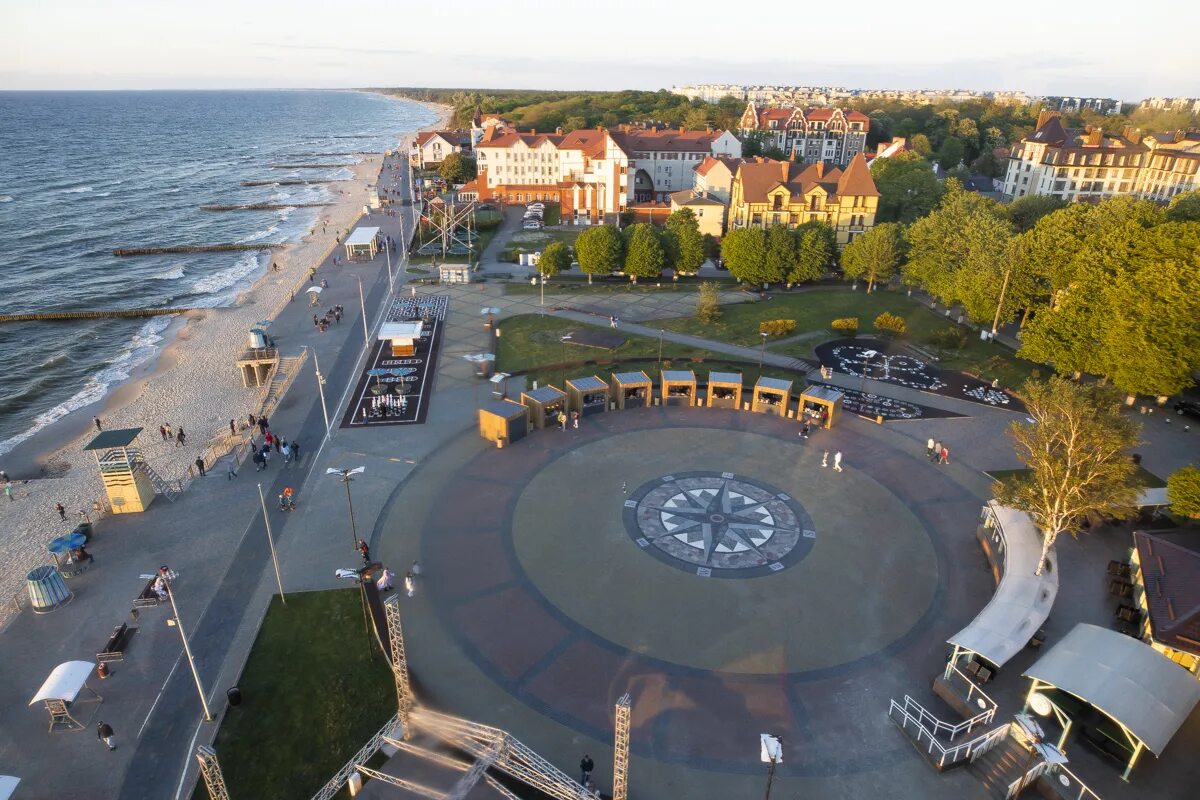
[532,226]
[1189,408]
[536,206]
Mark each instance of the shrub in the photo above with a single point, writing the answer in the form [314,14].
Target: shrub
[847,326]
[891,323]
[708,303]
[777,327]
[948,339]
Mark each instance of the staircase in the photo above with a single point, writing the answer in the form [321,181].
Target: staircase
[162,486]
[1001,766]
[280,380]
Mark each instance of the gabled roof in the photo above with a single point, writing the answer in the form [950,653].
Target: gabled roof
[456,138]
[531,140]
[1171,578]
[761,176]
[710,162]
[674,139]
[856,181]
[1051,132]
[590,140]
[688,198]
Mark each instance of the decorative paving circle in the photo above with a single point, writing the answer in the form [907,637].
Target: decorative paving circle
[719,525]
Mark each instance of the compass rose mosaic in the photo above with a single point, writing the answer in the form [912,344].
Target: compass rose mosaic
[719,525]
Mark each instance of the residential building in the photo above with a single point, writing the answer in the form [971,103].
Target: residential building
[714,177]
[897,145]
[481,123]
[767,192]
[1166,578]
[1089,165]
[431,147]
[710,213]
[810,135]
[1189,104]
[833,95]
[1073,105]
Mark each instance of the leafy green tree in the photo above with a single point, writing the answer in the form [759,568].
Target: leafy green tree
[908,189]
[697,119]
[1024,212]
[745,254]
[644,253]
[708,303]
[457,168]
[554,259]
[922,146]
[685,246]
[1076,455]
[1183,492]
[951,153]
[1185,207]
[600,250]
[781,254]
[574,123]
[875,255]
[816,246]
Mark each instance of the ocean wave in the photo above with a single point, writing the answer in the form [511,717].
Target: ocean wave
[6,198]
[77,190]
[219,281]
[141,348]
[102,194]
[259,235]
[174,273]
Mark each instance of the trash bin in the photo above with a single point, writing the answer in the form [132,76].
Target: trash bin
[234,695]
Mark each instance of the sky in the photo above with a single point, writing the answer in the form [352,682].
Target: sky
[1059,49]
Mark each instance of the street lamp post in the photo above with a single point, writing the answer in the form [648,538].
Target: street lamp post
[1000,303]
[762,353]
[772,754]
[387,251]
[660,338]
[167,576]
[271,544]
[363,304]
[321,390]
[345,476]
[562,372]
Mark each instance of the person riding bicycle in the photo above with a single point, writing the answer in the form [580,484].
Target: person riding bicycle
[286,503]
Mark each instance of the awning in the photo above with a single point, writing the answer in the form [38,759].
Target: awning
[1022,600]
[400,330]
[1152,498]
[362,237]
[65,682]
[1125,678]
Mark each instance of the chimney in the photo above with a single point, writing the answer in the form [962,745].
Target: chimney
[534,131]
[1095,137]
[820,170]
[783,171]
[558,130]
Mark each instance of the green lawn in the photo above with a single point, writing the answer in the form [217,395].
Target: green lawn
[313,693]
[535,241]
[576,284]
[530,344]
[814,310]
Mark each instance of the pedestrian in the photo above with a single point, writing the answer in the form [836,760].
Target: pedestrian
[295,450]
[275,266]
[316,322]
[624,487]
[936,452]
[232,473]
[287,455]
[232,428]
[384,582]
[612,321]
[278,445]
[365,550]
[929,448]
[96,420]
[200,465]
[162,431]
[258,461]
[104,733]
[263,424]
[616,322]
[837,461]
[586,765]
[170,433]
[3,476]
[62,512]
[8,491]
[253,420]
[805,428]
[180,436]
[575,420]
[562,420]
[944,456]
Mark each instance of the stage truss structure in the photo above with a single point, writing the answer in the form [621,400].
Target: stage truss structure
[448,227]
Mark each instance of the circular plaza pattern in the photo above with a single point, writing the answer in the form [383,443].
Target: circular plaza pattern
[705,562]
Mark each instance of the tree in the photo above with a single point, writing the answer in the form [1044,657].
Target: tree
[600,250]
[875,255]
[696,120]
[685,246]
[708,303]
[554,259]
[644,254]
[1075,452]
[1024,212]
[457,168]
[951,153]
[908,189]
[1183,492]
[781,254]
[816,245]
[574,123]
[745,254]
[922,146]
[1185,207]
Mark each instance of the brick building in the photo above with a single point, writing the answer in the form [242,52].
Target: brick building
[832,135]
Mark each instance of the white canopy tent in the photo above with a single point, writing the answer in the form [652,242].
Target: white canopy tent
[62,689]
[362,243]
[1145,693]
[1022,600]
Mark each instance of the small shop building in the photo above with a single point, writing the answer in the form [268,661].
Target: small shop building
[821,404]
[454,273]
[587,395]
[678,387]
[725,390]
[632,389]
[772,396]
[544,404]
[503,422]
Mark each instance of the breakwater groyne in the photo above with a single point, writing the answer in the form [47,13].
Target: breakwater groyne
[197,248]
[311,166]
[262,206]
[126,312]
[289,182]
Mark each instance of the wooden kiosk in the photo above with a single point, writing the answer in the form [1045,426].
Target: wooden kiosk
[503,421]
[401,337]
[587,395]
[772,396]
[544,404]
[127,478]
[820,404]
[632,389]
[725,390]
[678,387]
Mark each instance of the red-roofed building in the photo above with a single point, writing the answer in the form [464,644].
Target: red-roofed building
[832,135]
[431,147]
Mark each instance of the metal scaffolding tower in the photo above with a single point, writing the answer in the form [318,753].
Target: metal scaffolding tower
[621,749]
[404,695]
[210,769]
[448,227]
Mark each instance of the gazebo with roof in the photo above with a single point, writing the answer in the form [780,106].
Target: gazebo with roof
[632,389]
[772,396]
[587,395]
[544,404]
[127,478]
[678,387]
[725,390]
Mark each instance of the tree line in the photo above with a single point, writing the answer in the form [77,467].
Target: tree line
[641,250]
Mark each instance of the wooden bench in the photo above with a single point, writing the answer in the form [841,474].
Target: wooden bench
[114,648]
[148,598]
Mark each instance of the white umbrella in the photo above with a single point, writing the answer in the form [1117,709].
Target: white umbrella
[313,289]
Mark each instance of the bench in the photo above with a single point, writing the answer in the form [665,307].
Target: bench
[148,598]
[114,648]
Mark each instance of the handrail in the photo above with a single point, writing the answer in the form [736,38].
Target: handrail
[946,756]
[1085,792]
[951,731]
[973,689]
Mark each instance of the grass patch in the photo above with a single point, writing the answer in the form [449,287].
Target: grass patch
[536,241]
[1143,476]
[482,239]
[566,283]
[314,693]
[814,310]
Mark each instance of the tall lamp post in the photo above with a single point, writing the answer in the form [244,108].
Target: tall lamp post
[320,389]
[772,754]
[165,576]
[562,372]
[660,338]
[762,353]
[363,304]
[271,544]
[345,476]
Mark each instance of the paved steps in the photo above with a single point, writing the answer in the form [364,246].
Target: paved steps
[999,767]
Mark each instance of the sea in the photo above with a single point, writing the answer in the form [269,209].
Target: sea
[82,173]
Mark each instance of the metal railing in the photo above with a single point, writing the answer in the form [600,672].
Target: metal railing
[974,695]
[1070,786]
[942,755]
[938,727]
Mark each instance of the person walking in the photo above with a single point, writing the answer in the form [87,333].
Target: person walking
[104,733]
[200,466]
[96,420]
[170,433]
[944,455]
[575,420]
[180,437]
[295,450]
[162,431]
[929,448]
[837,461]
[253,421]
[365,550]
[415,569]
[562,420]
[586,765]
[287,455]
[62,512]
[936,452]
[232,428]
[263,424]
[268,439]
[232,473]
[257,459]
[410,586]
[804,429]
[8,491]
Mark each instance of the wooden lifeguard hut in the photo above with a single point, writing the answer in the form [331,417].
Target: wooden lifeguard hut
[632,389]
[544,404]
[678,387]
[128,479]
[258,360]
[503,421]
[725,390]
[587,395]
[772,396]
[821,403]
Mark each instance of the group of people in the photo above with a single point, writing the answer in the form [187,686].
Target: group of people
[937,452]
[384,582]
[332,317]
[168,433]
[261,452]
[563,419]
